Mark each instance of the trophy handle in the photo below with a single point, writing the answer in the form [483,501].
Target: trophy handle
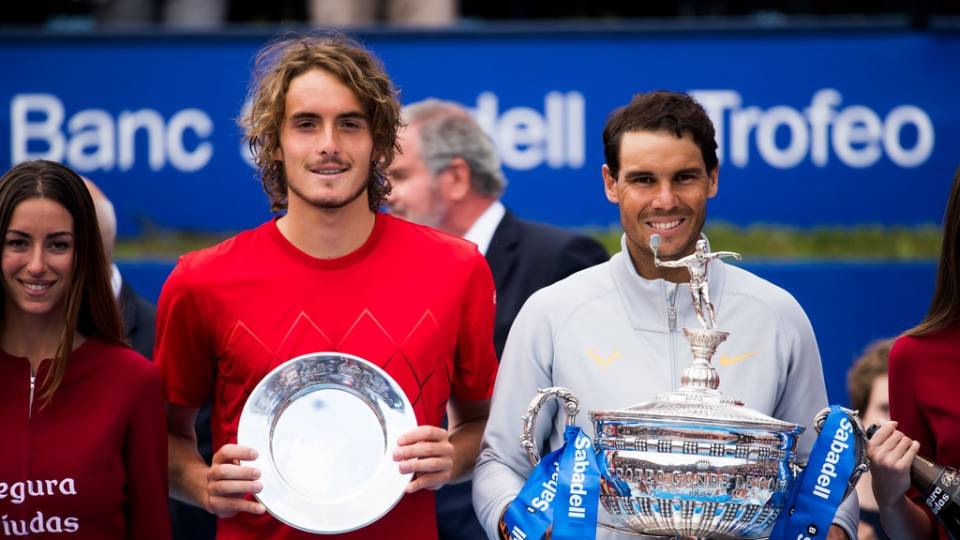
[571,405]
[861,441]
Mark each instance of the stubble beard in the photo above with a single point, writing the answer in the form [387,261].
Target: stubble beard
[688,247]
[330,204]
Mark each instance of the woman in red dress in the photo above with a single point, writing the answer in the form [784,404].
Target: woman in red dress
[81,414]
[924,405]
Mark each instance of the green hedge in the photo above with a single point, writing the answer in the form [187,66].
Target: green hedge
[755,241]
[823,243]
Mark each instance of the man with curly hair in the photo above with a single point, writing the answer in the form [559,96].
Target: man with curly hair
[331,273]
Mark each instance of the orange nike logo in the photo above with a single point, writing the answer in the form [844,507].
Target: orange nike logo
[601,361]
[731,360]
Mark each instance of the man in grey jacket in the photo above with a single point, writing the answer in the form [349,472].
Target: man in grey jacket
[611,333]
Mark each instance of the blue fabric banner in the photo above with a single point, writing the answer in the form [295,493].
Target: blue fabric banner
[821,487]
[563,491]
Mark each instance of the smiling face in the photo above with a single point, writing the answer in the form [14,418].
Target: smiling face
[662,188]
[325,143]
[37,258]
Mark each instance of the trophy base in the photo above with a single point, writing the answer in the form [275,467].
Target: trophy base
[700,374]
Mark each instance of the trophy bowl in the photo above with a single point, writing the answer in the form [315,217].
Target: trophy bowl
[691,463]
[673,475]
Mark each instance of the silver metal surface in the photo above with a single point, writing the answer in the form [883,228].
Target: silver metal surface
[571,406]
[325,426]
[692,463]
[696,264]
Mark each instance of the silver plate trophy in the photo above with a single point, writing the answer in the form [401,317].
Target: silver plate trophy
[692,463]
[325,426]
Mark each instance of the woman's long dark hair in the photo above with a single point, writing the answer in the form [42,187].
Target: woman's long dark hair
[91,308]
[945,306]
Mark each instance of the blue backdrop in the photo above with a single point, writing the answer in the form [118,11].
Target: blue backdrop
[831,127]
[835,127]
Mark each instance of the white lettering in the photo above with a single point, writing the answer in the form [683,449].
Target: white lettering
[17,492]
[198,122]
[820,113]
[785,137]
[549,491]
[715,102]
[741,123]
[71,524]
[895,121]
[767,137]
[578,479]
[518,132]
[526,139]
[48,130]
[68,487]
[94,140]
[92,130]
[576,130]
[129,123]
[860,126]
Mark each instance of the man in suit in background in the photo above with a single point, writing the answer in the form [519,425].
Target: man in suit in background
[139,325]
[448,176]
[139,315]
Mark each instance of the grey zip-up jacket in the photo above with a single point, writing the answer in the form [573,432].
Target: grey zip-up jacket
[614,339]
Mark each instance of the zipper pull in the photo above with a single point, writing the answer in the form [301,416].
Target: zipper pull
[672,310]
[33,382]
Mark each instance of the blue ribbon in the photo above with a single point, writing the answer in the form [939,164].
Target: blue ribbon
[563,491]
[818,492]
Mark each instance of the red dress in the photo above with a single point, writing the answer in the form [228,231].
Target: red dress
[924,397]
[417,302]
[92,463]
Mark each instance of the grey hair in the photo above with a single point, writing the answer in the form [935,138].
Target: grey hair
[448,131]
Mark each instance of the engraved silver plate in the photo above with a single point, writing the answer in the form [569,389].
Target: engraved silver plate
[325,426]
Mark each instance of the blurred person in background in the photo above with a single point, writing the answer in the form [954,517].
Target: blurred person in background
[345,13]
[81,412]
[139,321]
[924,407]
[867,386]
[139,315]
[448,176]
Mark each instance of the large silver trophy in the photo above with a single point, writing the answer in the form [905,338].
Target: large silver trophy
[692,463]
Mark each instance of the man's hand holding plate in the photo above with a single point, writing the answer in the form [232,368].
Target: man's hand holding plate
[229,483]
[425,451]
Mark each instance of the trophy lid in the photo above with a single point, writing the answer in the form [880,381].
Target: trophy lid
[697,401]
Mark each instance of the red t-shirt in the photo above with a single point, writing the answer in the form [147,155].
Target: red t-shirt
[417,302]
[92,463]
[923,395]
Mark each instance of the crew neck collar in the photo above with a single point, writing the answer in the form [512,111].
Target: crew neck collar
[330,264]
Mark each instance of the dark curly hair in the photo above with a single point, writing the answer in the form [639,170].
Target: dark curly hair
[673,112]
[283,60]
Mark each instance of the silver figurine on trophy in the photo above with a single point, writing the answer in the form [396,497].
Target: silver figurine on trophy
[693,462]
[695,263]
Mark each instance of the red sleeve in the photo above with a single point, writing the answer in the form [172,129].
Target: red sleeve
[145,460]
[476,362]
[182,347]
[904,379]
